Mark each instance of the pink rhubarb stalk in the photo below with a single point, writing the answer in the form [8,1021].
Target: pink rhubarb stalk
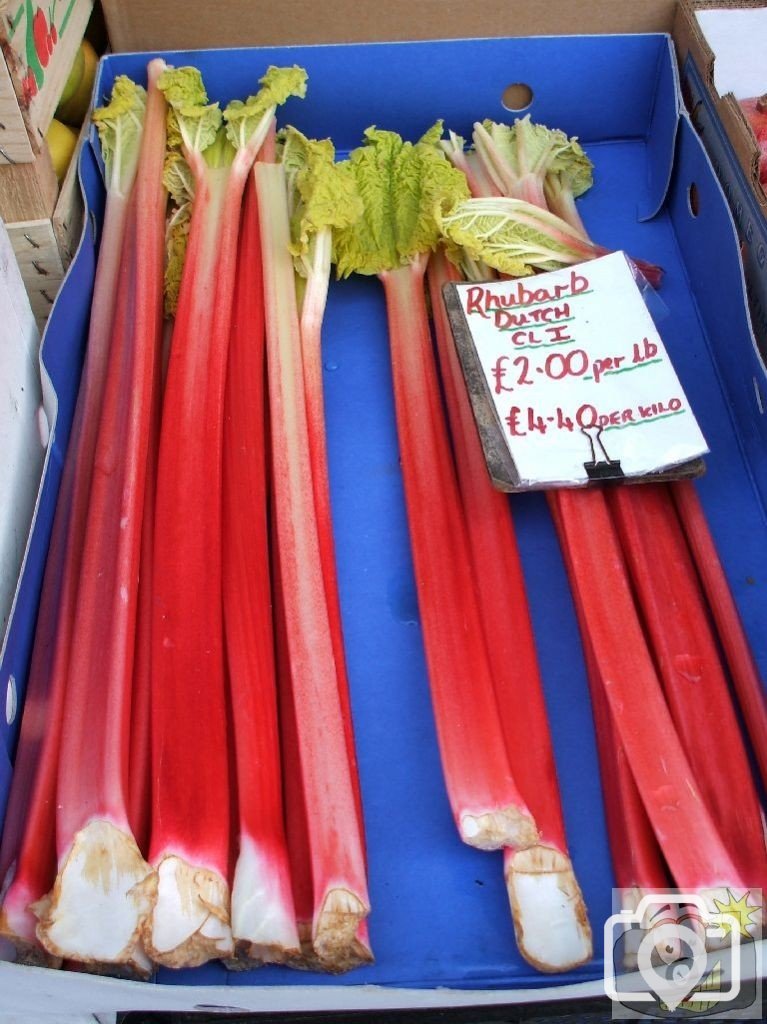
[745,675]
[643,723]
[263,918]
[103,887]
[489,809]
[637,860]
[541,883]
[28,852]
[339,883]
[684,647]
[190,840]
[417,177]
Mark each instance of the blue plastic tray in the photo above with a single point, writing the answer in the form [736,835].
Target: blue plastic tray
[440,913]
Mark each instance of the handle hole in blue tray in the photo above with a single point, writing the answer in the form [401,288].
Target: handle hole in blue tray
[11,700]
[517,97]
[693,199]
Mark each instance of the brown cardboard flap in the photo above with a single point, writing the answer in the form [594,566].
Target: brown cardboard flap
[690,41]
[173,24]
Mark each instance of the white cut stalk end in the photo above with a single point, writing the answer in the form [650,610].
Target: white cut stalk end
[357,954]
[335,928]
[263,921]
[190,922]
[550,922]
[507,826]
[26,952]
[102,894]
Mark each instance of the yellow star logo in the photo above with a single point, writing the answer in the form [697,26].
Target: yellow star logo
[741,910]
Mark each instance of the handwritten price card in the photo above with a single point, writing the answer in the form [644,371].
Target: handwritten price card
[569,379]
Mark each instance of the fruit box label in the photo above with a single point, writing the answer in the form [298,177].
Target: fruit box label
[579,382]
[34,30]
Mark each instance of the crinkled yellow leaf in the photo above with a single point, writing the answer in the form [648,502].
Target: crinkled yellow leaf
[176,238]
[510,235]
[177,178]
[277,85]
[402,186]
[120,123]
[322,193]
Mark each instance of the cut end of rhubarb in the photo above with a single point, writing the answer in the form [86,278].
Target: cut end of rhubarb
[508,826]
[103,892]
[357,954]
[29,953]
[18,926]
[335,928]
[139,968]
[550,922]
[306,959]
[248,955]
[263,921]
[190,922]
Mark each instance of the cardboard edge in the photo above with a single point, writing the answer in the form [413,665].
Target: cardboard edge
[690,122]
[39,990]
[666,143]
[691,42]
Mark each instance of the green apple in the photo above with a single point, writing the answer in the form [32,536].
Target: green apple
[73,109]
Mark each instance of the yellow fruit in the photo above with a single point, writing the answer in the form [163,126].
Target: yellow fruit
[73,81]
[61,141]
[73,110]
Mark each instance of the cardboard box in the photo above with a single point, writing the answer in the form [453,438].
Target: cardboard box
[440,927]
[731,145]
[180,25]
[38,48]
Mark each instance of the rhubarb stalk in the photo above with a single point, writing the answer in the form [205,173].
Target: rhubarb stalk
[340,895]
[637,859]
[95,916]
[670,794]
[415,179]
[745,675]
[263,918]
[190,837]
[28,852]
[549,913]
[696,688]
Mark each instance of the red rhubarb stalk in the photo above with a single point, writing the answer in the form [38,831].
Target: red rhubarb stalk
[487,806]
[263,918]
[684,647]
[541,883]
[190,835]
[490,811]
[643,723]
[340,896]
[322,198]
[745,675]
[28,852]
[140,761]
[91,915]
[637,860]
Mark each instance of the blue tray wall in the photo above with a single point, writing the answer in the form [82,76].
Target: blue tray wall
[440,914]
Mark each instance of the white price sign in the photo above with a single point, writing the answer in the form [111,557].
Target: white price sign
[579,379]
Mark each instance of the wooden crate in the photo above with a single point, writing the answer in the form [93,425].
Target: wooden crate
[44,246]
[39,44]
